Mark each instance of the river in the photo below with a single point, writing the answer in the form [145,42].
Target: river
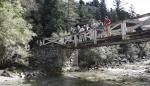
[126,75]
[58,81]
[82,79]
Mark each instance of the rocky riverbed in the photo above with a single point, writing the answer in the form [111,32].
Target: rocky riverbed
[135,74]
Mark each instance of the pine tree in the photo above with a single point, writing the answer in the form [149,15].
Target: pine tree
[95,3]
[81,2]
[86,12]
[113,15]
[103,10]
[49,17]
[118,9]
[121,13]
[98,14]
[55,16]
[132,12]
[72,13]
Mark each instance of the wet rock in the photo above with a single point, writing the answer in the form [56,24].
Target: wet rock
[147,71]
[102,70]
[35,74]
[5,73]
[1,71]
[124,60]
[74,69]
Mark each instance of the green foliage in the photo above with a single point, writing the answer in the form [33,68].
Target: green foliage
[50,16]
[100,56]
[132,11]
[86,12]
[113,15]
[95,9]
[121,13]
[103,9]
[15,32]
[87,58]
[81,2]
[72,13]
[95,3]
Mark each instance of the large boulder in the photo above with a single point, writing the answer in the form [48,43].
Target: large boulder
[1,71]
[5,73]
[147,71]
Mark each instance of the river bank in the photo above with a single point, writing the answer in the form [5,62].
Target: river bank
[11,79]
[133,74]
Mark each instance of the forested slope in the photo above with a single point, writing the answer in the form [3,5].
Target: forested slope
[23,22]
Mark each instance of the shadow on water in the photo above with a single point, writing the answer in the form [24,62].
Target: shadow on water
[67,81]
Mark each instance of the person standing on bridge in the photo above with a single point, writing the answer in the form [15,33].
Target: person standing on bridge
[100,29]
[77,31]
[87,27]
[107,23]
[93,24]
[81,33]
[72,31]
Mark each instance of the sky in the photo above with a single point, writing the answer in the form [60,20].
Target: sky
[140,6]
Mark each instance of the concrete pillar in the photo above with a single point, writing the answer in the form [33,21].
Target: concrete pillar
[70,60]
[75,57]
[123,30]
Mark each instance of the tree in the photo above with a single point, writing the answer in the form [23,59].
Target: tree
[121,13]
[103,9]
[50,17]
[72,17]
[81,9]
[132,12]
[113,15]
[98,14]
[81,2]
[15,32]
[86,12]
[57,15]
[95,3]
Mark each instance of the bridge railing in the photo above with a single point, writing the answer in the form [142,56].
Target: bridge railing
[121,28]
[81,37]
[90,35]
[129,26]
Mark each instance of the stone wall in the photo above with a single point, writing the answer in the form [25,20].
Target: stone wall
[54,57]
[48,57]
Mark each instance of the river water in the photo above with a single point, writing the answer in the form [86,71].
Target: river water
[58,81]
[66,81]
[80,79]
[126,75]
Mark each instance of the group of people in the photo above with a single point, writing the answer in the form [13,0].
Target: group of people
[102,28]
